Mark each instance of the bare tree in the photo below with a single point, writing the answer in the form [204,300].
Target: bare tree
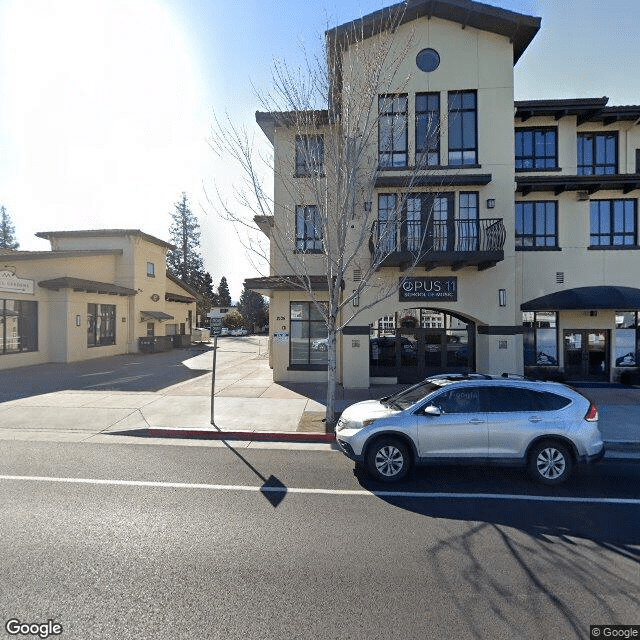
[339,151]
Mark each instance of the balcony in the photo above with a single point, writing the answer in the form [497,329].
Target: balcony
[454,243]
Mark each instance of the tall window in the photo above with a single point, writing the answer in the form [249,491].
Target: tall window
[467,222]
[540,338]
[101,324]
[392,131]
[18,326]
[308,343]
[427,129]
[309,156]
[627,339]
[597,153]
[463,139]
[536,148]
[613,222]
[536,224]
[387,223]
[308,229]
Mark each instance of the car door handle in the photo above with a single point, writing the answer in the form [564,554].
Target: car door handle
[535,419]
[477,421]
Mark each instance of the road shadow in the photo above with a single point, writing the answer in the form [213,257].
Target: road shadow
[532,563]
[127,372]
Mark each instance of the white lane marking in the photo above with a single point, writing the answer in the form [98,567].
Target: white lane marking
[337,492]
[99,373]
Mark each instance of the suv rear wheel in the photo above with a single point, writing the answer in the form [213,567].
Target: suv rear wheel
[550,462]
[388,459]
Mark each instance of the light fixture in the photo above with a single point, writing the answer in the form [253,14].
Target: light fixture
[367,206]
[78,320]
[356,298]
[491,203]
[502,297]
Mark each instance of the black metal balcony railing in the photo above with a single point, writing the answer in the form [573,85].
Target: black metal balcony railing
[455,242]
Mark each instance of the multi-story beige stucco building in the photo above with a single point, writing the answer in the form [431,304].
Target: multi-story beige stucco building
[96,293]
[529,210]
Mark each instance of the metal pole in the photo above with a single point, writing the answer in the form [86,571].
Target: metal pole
[213,376]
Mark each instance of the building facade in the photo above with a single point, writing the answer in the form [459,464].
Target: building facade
[525,214]
[96,293]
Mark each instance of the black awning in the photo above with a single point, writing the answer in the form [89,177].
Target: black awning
[620,298]
[156,315]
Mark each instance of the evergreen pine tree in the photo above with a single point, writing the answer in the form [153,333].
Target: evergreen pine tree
[253,309]
[224,297]
[185,261]
[7,231]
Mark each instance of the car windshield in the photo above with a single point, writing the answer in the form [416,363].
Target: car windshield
[408,397]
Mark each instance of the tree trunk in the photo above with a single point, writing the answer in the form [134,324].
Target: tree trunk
[331,375]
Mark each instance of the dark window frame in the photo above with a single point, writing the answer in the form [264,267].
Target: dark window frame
[530,338]
[25,313]
[309,322]
[430,145]
[538,240]
[607,220]
[588,165]
[101,324]
[457,117]
[309,156]
[387,109]
[308,224]
[533,161]
[151,272]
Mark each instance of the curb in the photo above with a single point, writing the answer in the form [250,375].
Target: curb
[267,436]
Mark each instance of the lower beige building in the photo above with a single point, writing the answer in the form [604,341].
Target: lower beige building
[96,293]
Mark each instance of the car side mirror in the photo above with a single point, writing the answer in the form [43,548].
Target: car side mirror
[432,410]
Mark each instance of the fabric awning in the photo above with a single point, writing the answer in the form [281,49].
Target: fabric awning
[620,298]
[156,315]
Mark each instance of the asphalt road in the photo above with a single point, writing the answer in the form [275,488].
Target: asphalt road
[143,541]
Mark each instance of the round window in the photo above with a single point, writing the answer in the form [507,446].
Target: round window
[428,60]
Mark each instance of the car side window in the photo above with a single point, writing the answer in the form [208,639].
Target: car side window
[458,401]
[514,399]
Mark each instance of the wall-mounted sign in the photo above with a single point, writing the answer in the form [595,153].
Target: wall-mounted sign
[281,336]
[444,289]
[10,282]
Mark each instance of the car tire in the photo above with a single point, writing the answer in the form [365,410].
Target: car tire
[388,459]
[550,462]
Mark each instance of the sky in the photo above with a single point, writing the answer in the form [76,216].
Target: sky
[106,106]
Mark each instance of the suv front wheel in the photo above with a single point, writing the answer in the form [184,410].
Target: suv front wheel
[550,462]
[388,459]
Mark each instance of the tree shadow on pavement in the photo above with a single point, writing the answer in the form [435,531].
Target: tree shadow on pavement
[518,554]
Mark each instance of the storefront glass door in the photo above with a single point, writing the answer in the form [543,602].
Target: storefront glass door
[586,353]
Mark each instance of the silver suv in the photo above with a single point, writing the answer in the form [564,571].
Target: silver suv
[469,419]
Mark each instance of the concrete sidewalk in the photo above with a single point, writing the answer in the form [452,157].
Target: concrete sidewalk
[248,406]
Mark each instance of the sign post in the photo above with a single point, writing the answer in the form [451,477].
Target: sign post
[213,377]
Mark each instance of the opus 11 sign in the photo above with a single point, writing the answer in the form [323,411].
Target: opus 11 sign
[443,289]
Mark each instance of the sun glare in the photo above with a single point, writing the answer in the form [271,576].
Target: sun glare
[101,112]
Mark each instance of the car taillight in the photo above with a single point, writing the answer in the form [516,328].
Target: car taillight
[592,413]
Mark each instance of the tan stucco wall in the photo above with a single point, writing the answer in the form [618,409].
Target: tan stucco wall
[59,339]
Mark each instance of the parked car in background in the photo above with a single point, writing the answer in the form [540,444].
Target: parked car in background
[238,332]
[320,345]
[224,331]
[470,419]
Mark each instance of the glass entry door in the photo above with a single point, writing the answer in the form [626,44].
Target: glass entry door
[586,353]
